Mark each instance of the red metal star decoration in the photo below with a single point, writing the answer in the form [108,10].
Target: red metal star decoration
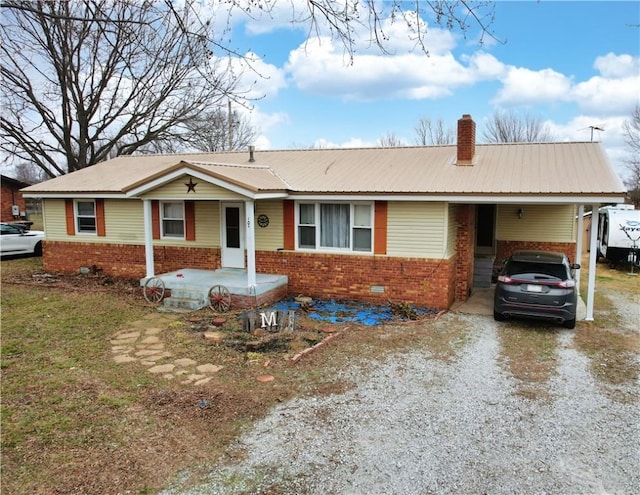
[191,186]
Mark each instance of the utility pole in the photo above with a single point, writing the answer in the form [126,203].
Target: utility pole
[229,116]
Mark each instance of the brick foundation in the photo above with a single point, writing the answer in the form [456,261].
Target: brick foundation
[124,260]
[417,281]
[506,248]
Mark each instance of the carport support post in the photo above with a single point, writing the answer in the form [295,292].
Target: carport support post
[251,244]
[148,237]
[593,253]
[579,247]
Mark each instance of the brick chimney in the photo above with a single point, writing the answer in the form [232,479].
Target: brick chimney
[466,140]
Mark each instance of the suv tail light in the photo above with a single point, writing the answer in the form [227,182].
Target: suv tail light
[566,284]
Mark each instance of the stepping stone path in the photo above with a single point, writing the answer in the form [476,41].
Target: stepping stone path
[141,343]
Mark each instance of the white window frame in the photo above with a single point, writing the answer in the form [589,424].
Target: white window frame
[317,226]
[163,234]
[78,216]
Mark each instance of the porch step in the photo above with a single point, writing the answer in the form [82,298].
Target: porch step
[187,298]
[184,303]
[483,271]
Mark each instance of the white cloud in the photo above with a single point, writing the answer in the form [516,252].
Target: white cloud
[319,67]
[607,96]
[523,86]
[257,78]
[617,66]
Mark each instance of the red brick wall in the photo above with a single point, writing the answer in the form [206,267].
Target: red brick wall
[10,196]
[412,280]
[506,248]
[465,241]
[124,260]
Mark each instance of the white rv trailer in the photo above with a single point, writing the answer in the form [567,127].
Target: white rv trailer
[619,234]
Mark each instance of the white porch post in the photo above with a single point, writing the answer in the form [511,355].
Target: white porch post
[578,258]
[593,253]
[251,243]
[148,237]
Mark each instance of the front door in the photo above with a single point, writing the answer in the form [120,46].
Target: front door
[232,235]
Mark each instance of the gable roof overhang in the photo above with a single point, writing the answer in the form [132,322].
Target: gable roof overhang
[248,186]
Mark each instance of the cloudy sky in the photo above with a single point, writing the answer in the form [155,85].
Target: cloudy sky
[570,64]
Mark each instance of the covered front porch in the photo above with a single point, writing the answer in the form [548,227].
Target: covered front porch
[222,289]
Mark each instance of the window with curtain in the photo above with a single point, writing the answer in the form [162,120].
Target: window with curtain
[335,226]
[86,217]
[172,219]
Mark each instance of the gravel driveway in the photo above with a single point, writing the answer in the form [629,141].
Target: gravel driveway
[417,425]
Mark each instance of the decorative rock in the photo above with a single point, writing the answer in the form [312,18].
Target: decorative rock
[128,341]
[208,368]
[123,358]
[216,337]
[162,368]
[127,335]
[184,362]
[193,378]
[156,347]
[148,352]
[265,378]
[152,339]
[121,348]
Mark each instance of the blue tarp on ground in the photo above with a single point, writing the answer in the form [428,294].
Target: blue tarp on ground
[347,311]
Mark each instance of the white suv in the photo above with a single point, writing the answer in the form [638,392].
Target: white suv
[16,240]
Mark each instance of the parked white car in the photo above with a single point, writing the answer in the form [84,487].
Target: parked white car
[15,240]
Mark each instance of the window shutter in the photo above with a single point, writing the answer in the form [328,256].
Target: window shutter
[70,216]
[155,219]
[100,224]
[289,214]
[190,220]
[380,228]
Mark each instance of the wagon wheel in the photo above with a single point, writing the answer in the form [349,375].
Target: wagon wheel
[219,298]
[154,290]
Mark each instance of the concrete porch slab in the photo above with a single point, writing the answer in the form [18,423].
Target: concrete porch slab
[189,288]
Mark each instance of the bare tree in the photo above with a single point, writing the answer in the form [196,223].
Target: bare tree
[390,140]
[29,173]
[218,131]
[631,129]
[85,80]
[509,127]
[209,131]
[434,133]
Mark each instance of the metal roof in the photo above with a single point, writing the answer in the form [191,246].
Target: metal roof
[576,169]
